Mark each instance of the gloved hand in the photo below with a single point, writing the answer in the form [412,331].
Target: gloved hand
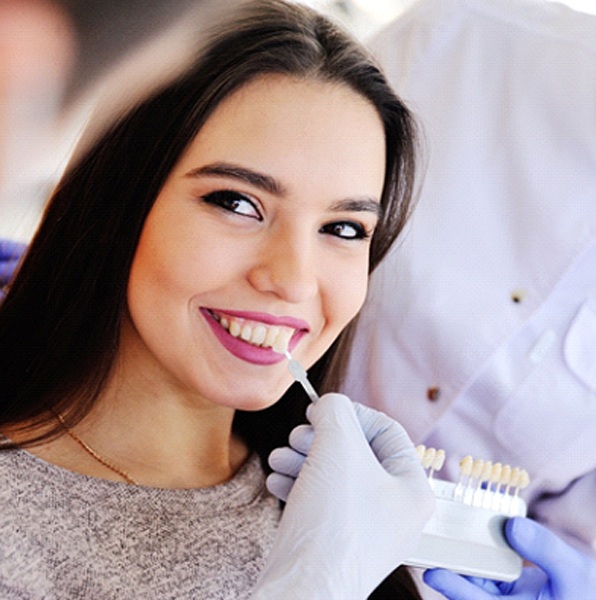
[10,254]
[562,572]
[356,505]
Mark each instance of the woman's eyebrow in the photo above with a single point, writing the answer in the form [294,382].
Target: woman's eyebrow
[273,186]
[228,170]
[359,205]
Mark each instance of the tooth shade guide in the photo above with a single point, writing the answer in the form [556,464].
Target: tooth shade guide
[465,532]
[481,483]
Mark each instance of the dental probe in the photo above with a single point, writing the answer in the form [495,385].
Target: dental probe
[299,374]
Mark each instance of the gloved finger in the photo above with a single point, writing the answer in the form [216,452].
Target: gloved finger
[280,485]
[286,461]
[334,418]
[388,440]
[7,268]
[330,405]
[301,438]
[545,549]
[456,587]
[339,442]
[11,250]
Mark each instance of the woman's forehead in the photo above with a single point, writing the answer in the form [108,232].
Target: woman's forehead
[295,127]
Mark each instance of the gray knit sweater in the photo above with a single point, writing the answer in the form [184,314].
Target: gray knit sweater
[66,536]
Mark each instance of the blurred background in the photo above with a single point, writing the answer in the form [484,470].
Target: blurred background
[363,17]
[103,53]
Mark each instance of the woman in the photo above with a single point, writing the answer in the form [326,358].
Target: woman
[241,207]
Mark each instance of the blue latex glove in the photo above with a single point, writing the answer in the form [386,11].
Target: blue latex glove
[10,254]
[356,505]
[562,572]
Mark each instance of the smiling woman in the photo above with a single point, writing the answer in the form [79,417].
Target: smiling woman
[259,238]
[234,214]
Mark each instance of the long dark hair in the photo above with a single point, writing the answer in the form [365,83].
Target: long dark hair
[60,321]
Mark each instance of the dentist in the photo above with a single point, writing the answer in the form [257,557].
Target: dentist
[479,333]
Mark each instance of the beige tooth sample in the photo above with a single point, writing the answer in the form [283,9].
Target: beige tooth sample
[283,339]
[439,460]
[428,457]
[271,336]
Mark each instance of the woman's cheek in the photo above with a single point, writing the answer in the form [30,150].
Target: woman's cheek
[349,287]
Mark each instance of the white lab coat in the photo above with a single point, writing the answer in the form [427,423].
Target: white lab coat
[491,296]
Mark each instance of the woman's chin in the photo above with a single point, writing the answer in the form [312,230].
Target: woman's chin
[256,404]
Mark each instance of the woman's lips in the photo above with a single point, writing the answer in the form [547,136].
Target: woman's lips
[257,338]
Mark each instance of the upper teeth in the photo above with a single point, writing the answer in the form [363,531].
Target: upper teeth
[257,333]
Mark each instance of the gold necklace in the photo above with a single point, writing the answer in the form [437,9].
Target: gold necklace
[98,457]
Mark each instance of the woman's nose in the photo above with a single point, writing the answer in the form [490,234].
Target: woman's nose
[286,267]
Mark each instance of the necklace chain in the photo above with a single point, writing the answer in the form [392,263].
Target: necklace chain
[94,454]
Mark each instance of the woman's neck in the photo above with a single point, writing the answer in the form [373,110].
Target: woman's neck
[162,433]
[157,438]
[165,443]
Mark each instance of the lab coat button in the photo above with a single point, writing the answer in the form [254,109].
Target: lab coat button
[433,393]
[518,296]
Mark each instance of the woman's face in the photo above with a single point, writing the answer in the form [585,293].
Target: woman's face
[259,237]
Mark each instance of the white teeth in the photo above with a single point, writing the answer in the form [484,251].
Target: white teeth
[246,333]
[235,328]
[258,334]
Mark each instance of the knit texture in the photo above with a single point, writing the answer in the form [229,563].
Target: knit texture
[65,536]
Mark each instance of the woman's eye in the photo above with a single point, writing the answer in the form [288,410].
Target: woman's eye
[234,202]
[347,230]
